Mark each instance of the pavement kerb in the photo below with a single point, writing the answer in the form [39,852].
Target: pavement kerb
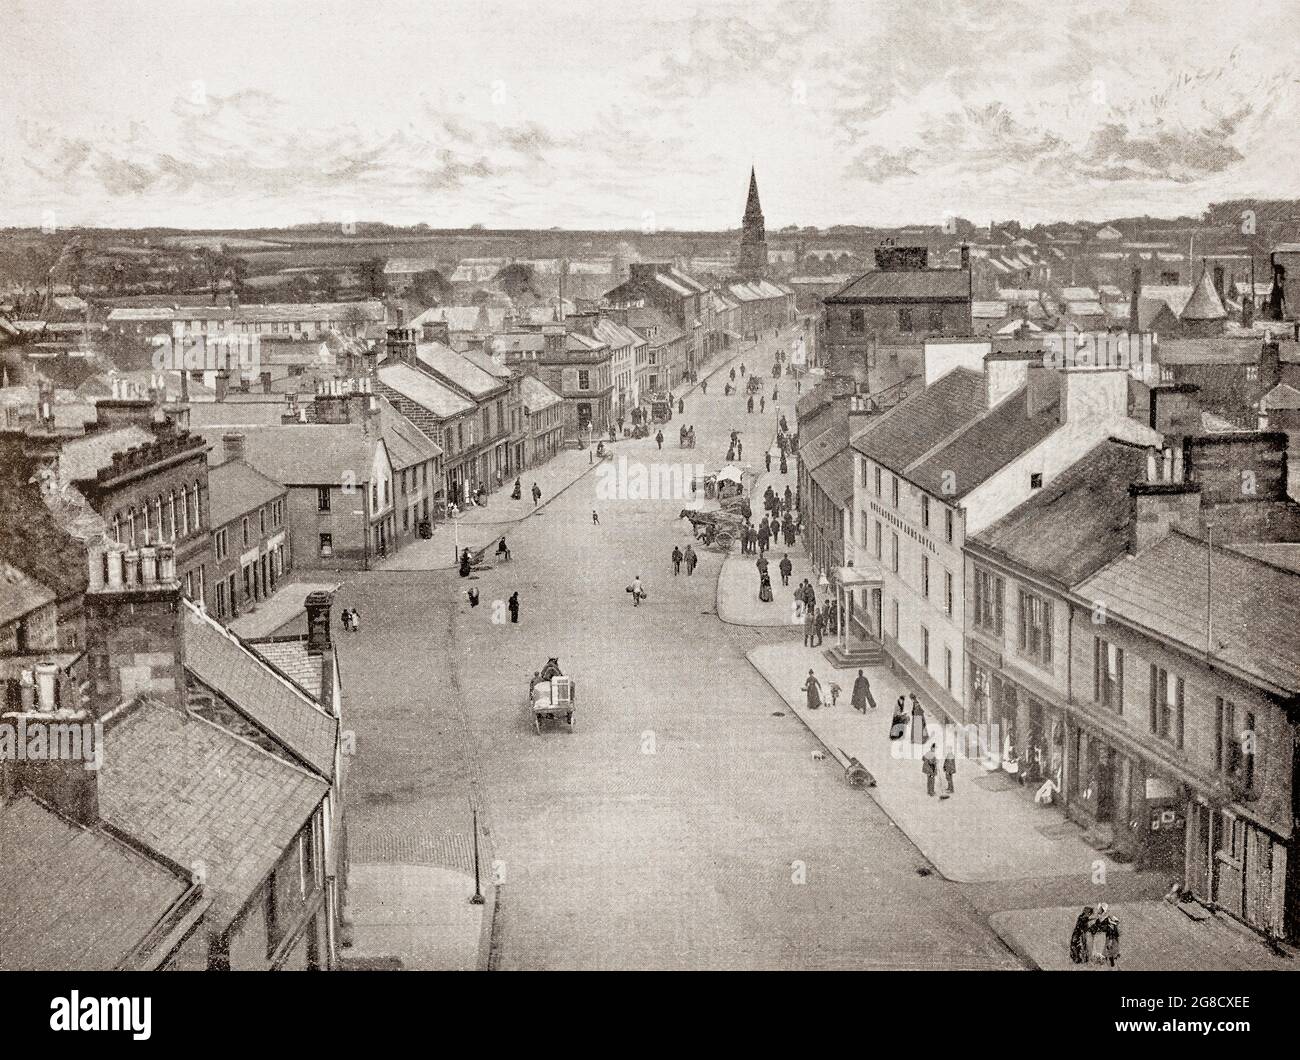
[489,953]
[1008,938]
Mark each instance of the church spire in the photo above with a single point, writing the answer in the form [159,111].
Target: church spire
[753,239]
[752,208]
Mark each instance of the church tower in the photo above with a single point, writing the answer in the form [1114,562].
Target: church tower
[753,240]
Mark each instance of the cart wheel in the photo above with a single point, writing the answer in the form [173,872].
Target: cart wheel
[723,539]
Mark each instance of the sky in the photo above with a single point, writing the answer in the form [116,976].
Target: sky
[643,115]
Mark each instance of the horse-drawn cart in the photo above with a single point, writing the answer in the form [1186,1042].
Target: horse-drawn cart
[719,530]
[551,696]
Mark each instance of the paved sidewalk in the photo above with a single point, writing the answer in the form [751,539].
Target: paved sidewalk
[738,602]
[1154,936]
[285,606]
[418,915]
[477,526]
[990,830]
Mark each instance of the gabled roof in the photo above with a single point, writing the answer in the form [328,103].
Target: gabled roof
[887,285]
[1282,396]
[407,444]
[75,898]
[918,423]
[835,477]
[304,454]
[1077,523]
[1256,606]
[537,395]
[236,488]
[984,447]
[1220,350]
[204,798]
[226,665]
[424,390]
[82,458]
[456,369]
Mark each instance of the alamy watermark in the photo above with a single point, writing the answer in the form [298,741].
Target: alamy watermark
[45,739]
[624,480]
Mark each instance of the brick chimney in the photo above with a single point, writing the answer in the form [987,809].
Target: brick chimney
[1163,500]
[1175,409]
[319,605]
[1044,389]
[233,445]
[437,331]
[1270,364]
[134,626]
[1134,299]
[401,345]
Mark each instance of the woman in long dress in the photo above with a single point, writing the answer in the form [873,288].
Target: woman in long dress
[813,689]
[765,588]
[1080,941]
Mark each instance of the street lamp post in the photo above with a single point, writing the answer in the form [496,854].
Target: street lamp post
[478,890]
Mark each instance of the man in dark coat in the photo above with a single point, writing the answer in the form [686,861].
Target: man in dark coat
[690,559]
[787,499]
[767,460]
[677,561]
[819,626]
[513,604]
[749,405]
[764,536]
[785,567]
[809,595]
[929,766]
[862,696]
[659,439]
[537,494]
[785,468]
[949,767]
[465,564]
[761,564]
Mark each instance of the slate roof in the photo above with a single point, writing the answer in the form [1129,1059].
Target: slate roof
[407,444]
[222,662]
[236,488]
[1256,606]
[536,394]
[74,898]
[292,659]
[484,361]
[835,477]
[202,796]
[82,458]
[887,285]
[918,423]
[814,452]
[20,594]
[985,446]
[1223,350]
[424,390]
[1282,396]
[1077,523]
[458,371]
[303,454]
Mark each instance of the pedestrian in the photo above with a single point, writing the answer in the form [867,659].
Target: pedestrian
[733,375]
[1108,925]
[537,494]
[762,403]
[689,557]
[773,395]
[761,564]
[812,687]
[740,448]
[681,405]
[898,723]
[620,425]
[786,568]
[949,767]
[809,628]
[764,588]
[742,369]
[1080,937]
[809,595]
[638,593]
[731,454]
[784,466]
[513,604]
[677,561]
[516,493]
[763,536]
[704,387]
[835,693]
[787,499]
[819,626]
[659,439]
[920,732]
[466,564]
[862,693]
[767,461]
[749,405]
[928,767]
[473,597]
[347,619]
[787,529]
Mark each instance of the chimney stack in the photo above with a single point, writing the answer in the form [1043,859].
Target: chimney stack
[965,256]
[233,445]
[1270,365]
[1164,500]
[1134,299]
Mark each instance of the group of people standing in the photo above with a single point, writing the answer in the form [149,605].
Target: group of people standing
[1087,926]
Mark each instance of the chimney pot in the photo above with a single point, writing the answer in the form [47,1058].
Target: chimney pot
[233,445]
[318,605]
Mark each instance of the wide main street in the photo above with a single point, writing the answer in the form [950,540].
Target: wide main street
[686,822]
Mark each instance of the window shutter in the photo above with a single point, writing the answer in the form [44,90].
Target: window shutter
[1119,681]
[1179,720]
[1098,650]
